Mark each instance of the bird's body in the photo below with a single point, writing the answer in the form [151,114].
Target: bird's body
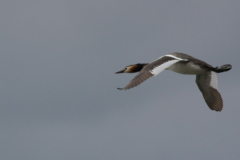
[186,68]
[206,78]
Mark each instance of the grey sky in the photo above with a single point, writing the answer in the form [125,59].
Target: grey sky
[58,96]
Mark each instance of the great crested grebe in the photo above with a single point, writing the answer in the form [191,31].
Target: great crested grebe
[206,77]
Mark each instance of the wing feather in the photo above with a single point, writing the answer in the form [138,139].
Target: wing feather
[207,83]
[152,69]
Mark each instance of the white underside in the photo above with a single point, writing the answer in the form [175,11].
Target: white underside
[186,68]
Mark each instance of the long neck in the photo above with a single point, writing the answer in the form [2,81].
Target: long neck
[138,67]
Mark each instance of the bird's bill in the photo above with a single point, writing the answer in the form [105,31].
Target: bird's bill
[122,71]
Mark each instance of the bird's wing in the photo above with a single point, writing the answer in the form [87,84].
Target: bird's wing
[207,83]
[152,69]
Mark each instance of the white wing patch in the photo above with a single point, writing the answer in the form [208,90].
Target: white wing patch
[155,71]
[172,57]
[175,57]
[213,82]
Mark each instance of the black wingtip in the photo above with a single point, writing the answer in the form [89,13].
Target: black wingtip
[120,88]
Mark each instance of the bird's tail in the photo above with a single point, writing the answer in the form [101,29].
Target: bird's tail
[223,68]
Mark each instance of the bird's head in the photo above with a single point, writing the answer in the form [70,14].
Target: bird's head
[133,68]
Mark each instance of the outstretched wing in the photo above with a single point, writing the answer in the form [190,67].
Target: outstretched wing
[207,83]
[152,69]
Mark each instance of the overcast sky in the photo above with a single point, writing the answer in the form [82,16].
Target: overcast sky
[58,96]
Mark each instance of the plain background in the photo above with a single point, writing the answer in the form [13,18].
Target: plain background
[58,96]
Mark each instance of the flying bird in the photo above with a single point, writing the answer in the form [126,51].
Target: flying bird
[206,77]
